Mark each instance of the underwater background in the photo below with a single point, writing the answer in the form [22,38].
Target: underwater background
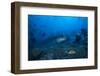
[57,37]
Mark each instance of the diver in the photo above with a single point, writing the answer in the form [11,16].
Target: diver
[77,38]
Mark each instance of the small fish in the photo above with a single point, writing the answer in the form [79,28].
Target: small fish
[61,39]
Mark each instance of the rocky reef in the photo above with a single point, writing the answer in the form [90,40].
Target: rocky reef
[62,47]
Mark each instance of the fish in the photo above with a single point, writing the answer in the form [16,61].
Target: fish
[71,52]
[61,39]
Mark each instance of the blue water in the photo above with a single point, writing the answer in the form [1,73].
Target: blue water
[57,37]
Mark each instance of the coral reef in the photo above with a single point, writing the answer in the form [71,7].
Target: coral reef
[61,47]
